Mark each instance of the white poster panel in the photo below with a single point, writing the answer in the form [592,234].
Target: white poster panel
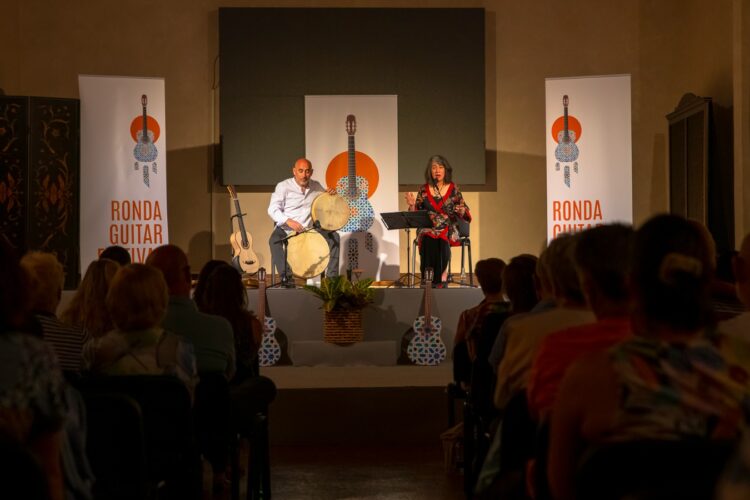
[368,127]
[123,165]
[589,153]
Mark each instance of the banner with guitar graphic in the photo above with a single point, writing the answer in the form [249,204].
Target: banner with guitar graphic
[589,153]
[352,142]
[123,166]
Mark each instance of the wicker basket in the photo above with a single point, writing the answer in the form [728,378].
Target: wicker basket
[343,326]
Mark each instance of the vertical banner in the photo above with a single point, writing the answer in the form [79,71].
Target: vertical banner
[353,141]
[123,166]
[589,153]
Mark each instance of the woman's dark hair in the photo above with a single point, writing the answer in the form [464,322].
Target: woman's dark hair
[200,286]
[224,295]
[489,273]
[440,160]
[518,280]
[116,253]
[603,253]
[671,271]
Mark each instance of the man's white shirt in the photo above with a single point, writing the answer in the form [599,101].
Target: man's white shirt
[289,201]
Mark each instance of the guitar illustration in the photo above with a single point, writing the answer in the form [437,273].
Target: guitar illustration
[269,352]
[566,150]
[243,256]
[426,347]
[354,188]
[145,150]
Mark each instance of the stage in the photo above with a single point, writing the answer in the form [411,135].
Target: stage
[299,317]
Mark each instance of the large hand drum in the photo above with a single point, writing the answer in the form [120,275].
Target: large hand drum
[308,254]
[331,211]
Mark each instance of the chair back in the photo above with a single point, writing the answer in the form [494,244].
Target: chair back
[116,446]
[650,470]
[166,407]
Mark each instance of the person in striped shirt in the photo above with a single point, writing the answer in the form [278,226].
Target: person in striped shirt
[46,278]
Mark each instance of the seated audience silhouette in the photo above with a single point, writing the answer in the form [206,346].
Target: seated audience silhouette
[32,401]
[46,277]
[87,309]
[137,302]
[602,256]
[676,380]
[524,336]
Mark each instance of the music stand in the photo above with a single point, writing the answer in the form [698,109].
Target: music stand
[408,220]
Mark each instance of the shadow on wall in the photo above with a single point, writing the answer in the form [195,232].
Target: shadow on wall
[513,219]
[189,201]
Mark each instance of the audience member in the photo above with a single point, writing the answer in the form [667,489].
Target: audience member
[489,273]
[519,283]
[224,295]
[137,302]
[87,309]
[117,254]
[602,257]
[200,285]
[46,282]
[739,326]
[545,301]
[677,379]
[32,401]
[524,336]
[211,335]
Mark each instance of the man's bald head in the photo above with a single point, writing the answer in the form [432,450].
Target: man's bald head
[741,266]
[173,263]
[302,171]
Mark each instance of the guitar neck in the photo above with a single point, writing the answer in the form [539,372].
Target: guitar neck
[240,223]
[352,171]
[145,124]
[565,123]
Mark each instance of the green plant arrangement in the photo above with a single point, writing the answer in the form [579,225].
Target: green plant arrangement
[343,302]
[338,293]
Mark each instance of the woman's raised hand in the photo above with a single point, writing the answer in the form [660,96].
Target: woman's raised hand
[410,200]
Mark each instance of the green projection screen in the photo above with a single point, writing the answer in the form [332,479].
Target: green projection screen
[270,58]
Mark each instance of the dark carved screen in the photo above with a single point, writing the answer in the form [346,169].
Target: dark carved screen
[39,177]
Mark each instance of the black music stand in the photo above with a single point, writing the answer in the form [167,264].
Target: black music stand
[407,220]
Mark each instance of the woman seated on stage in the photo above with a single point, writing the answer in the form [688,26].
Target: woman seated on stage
[445,205]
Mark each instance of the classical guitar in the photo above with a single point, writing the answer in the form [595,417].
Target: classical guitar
[269,352]
[145,150]
[426,347]
[354,188]
[243,256]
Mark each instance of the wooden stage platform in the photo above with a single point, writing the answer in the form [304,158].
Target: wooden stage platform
[299,318]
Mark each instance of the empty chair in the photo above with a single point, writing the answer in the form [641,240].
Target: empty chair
[116,446]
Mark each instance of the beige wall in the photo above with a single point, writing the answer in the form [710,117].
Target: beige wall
[669,46]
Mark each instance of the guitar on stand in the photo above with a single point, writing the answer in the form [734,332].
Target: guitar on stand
[269,352]
[243,256]
[426,348]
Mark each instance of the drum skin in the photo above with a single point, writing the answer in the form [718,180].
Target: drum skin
[308,254]
[331,211]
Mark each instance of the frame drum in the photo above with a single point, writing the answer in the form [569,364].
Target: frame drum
[307,254]
[331,211]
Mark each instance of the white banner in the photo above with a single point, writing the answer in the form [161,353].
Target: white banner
[372,134]
[589,153]
[123,165]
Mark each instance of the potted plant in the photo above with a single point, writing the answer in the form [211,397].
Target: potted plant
[343,302]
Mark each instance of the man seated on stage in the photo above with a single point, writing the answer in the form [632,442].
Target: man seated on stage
[290,209]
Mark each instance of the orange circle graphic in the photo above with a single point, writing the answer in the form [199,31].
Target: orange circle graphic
[573,125]
[137,126]
[364,167]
